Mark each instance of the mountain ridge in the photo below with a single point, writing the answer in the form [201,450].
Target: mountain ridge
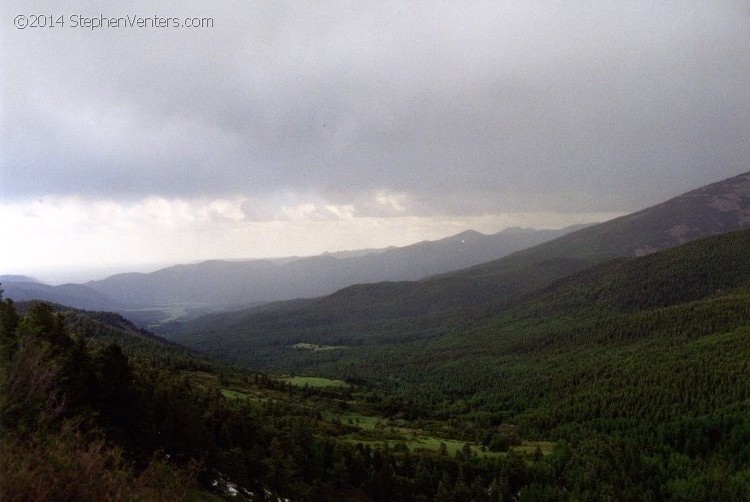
[667,224]
[370,309]
[224,283]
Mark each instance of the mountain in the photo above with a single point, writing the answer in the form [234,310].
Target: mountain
[390,312]
[22,288]
[650,348]
[711,210]
[219,282]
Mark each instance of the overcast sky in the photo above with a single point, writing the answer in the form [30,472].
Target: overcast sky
[292,128]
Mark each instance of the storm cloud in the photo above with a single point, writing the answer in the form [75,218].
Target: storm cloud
[378,109]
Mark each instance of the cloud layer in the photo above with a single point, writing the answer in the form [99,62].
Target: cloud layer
[336,110]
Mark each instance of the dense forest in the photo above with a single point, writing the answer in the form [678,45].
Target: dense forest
[84,421]
[87,418]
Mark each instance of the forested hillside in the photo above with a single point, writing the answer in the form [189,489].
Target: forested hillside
[83,418]
[652,351]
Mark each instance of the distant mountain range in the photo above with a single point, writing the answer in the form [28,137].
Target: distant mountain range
[463,270]
[223,283]
[368,311]
[235,283]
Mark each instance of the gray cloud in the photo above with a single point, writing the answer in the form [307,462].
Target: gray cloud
[459,108]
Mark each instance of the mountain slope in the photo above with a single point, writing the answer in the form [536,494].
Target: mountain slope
[714,209]
[22,288]
[621,346]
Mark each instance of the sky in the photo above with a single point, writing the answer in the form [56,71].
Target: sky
[284,128]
